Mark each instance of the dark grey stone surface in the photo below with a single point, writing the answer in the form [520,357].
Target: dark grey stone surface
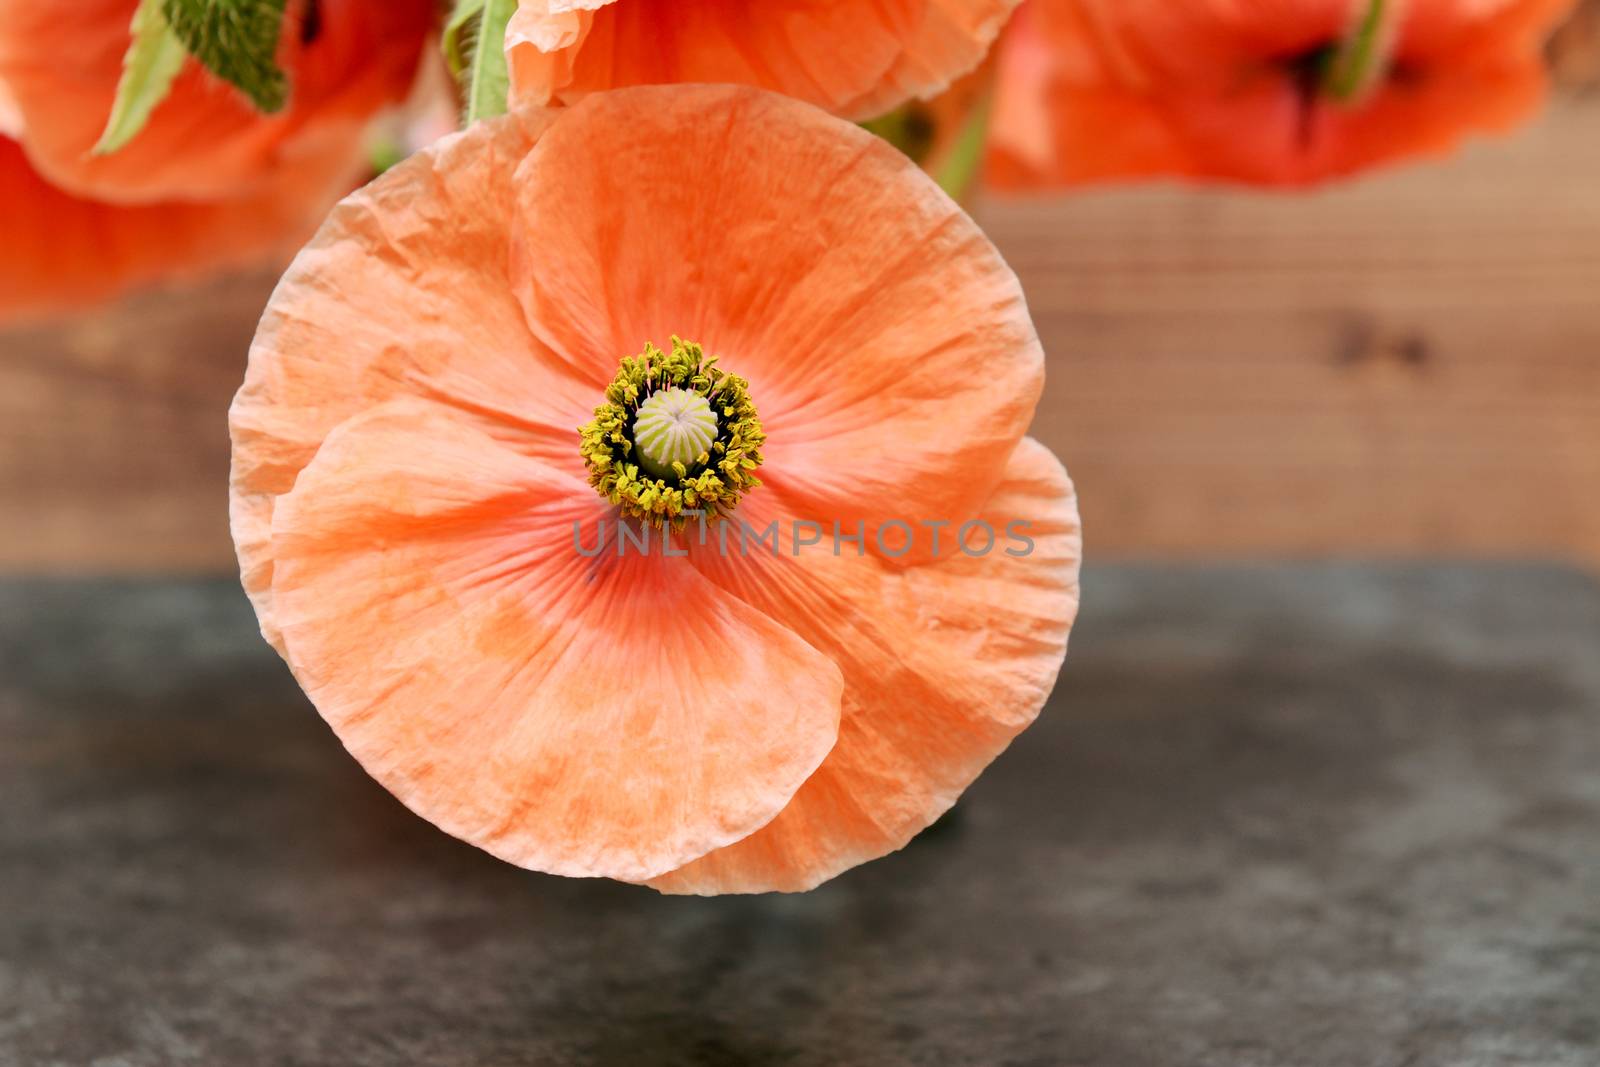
[1274,817]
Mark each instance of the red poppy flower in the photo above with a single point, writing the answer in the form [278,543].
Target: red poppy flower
[63,251]
[209,182]
[1094,90]
[344,60]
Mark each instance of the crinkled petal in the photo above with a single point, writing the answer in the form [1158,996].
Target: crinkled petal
[403,291]
[610,716]
[543,39]
[888,346]
[943,665]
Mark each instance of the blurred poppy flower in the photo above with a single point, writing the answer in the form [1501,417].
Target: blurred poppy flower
[344,60]
[856,60]
[209,182]
[422,527]
[1277,94]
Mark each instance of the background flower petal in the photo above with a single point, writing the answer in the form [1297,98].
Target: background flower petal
[63,251]
[951,39]
[854,59]
[1091,90]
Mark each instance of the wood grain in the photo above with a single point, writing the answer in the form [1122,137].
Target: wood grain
[114,436]
[1405,365]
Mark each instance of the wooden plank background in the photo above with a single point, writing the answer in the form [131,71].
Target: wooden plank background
[1406,365]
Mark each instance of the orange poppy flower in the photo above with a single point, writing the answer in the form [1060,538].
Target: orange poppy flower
[434,547]
[857,60]
[1092,90]
[62,60]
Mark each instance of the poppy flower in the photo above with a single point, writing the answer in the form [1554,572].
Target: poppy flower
[1091,90]
[856,60]
[499,363]
[62,61]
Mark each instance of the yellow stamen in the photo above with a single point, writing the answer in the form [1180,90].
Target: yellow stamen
[675,434]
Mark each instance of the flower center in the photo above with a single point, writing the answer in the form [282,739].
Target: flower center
[673,429]
[675,434]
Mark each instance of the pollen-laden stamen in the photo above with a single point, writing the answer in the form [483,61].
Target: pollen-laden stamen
[675,434]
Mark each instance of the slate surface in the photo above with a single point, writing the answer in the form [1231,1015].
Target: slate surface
[1274,817]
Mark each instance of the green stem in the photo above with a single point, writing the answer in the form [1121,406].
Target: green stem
[960,168]
[1353,65]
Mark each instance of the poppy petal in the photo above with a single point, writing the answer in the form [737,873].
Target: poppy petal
[887,345]
[610,716]
[1498,30]
[406,282]
[943,665]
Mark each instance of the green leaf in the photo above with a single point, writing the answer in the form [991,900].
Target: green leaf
[474,44]
[153,59]
[237,40]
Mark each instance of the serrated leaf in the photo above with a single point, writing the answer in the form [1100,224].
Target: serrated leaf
[237,40]
[474,44]
[153,59]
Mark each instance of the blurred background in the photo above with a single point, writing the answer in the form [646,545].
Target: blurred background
[1404,364]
